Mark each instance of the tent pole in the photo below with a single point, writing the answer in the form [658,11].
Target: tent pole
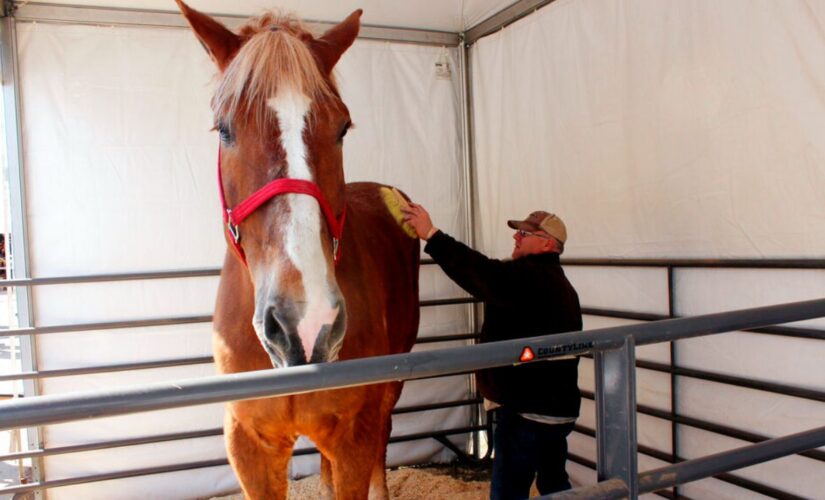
[468,176]
[18,246]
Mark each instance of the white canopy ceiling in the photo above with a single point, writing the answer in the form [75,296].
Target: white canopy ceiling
[441,15]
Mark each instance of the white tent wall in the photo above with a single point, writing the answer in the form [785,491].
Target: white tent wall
[671,129]
[120,176]
[703,113]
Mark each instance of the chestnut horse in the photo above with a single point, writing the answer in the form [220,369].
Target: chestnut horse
[316,270]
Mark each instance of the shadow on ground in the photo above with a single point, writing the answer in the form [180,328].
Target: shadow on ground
[461,470]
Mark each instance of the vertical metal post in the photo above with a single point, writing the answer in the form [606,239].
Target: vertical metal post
[17,247]
[674,426]
[468,158]
[616,415]
[466,106]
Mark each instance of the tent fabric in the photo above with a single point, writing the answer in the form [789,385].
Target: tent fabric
[656,129]
[676,129]
[450,15]
[120,176]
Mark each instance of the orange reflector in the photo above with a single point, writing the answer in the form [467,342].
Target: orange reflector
[527,355]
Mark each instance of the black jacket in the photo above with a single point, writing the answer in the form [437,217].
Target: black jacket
[524,297]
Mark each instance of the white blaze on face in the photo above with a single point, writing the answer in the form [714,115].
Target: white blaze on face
[302,235]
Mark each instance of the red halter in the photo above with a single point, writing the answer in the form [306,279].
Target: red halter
[232,218]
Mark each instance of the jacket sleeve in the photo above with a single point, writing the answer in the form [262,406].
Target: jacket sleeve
[489,280]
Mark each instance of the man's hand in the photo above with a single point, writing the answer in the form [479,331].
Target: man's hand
[416,216]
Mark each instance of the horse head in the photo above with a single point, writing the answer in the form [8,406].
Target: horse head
[282,123]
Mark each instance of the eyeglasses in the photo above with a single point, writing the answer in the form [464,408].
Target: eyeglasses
[524,234]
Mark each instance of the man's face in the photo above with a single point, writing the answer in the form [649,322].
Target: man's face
[527,243]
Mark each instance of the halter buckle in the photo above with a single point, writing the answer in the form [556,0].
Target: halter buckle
[232,228]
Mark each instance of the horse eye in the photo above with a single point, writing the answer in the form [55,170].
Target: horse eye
[226,135]
[344,131]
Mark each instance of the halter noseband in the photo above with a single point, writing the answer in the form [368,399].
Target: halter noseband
[233,217]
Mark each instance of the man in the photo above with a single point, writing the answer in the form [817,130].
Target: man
[536,403]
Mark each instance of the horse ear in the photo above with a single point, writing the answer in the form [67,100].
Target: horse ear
[337,40]
[219,42]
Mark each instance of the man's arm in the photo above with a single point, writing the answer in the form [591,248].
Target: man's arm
[487,279]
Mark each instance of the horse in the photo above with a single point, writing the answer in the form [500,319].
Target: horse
[316,270]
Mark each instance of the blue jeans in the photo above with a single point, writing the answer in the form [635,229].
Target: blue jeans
[527,450]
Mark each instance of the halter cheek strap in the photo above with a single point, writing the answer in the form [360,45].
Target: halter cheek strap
[233,217]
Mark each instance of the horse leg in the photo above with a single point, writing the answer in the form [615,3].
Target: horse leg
[351,468]
[378,479]
[260,465]
[327,492]
[352,453]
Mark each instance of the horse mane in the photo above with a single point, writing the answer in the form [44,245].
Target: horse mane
[274,56]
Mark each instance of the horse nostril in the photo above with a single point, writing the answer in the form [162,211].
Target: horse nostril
[331,336]
[280,338]
[273,329]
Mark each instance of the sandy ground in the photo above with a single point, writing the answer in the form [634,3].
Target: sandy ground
[431,483]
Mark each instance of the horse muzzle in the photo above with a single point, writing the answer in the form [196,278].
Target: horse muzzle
[293,335]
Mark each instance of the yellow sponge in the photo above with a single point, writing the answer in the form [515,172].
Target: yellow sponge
[395,201]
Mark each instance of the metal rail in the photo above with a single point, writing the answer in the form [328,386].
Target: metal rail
[699,468]
[177,436]
[107,325]
[674,417]
[93,370]
[663,263]
[672,265]
[24,488]
[612,489]
[715,465]
[732,380]
[808,333]
[131,276]
[784,389]
[38,453]
[723,430]
[102,278]
[705,263]
[169,363]
[699,424]
[117,325]
[52,409]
